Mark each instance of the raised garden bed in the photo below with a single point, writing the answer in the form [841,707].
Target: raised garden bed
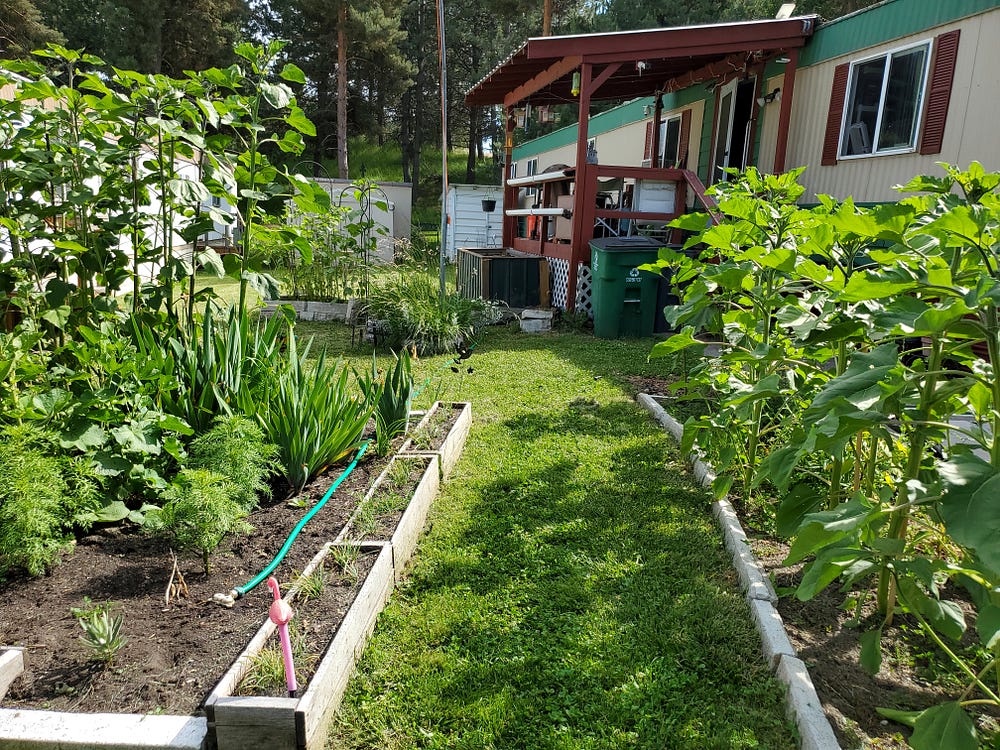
[442,431]
[314,310]
[395,508]
[177,650]
[819,633]
[280,722]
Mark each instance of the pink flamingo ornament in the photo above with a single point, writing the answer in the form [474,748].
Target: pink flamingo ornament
[280,613]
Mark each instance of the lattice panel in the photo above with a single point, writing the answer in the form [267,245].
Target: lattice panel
[584,290]
[559,269]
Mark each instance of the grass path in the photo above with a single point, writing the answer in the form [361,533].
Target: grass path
[571,591]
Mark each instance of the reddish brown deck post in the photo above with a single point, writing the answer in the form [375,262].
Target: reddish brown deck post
[787,89]
[582,179]
[654,153]
[509,193]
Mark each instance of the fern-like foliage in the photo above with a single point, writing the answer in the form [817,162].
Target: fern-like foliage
[41,495]
[200,508]
[237,448]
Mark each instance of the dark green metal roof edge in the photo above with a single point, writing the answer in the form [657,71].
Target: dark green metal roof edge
[888,20]
[623,114]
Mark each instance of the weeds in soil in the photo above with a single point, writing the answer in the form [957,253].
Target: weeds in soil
[102,631]
[311,586]
[345,558]
[428,436]
[398,476]
[266,672]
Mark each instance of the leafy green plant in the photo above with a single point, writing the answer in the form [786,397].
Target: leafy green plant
[225,366]
[413,314]
[312,415]
[853,382]
[200,508]
[42,495]
[236,448]
[392,394]
[102,631]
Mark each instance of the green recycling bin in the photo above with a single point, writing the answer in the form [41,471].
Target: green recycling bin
[623,297]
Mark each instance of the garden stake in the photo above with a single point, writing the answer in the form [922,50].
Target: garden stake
[280,614]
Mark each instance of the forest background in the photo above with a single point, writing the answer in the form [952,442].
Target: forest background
[371,65]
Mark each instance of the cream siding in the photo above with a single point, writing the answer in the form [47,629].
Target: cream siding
[769,126]
[622,146]
[970,132]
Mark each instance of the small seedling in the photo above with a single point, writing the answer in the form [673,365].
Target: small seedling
[102,632]
[345,557]
[311,586]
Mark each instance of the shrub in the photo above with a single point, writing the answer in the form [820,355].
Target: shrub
[237,448]
[312,416]
[391,395]
[200,508]
[41,496]
[414,314]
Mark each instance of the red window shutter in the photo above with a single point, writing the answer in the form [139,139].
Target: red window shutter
[831,142]
[939,91]
[683,138]
[648,152]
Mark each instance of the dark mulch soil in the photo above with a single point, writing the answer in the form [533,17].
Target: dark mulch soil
[826,640]
[175,653]
[387,515]
[431,434]
[313,625]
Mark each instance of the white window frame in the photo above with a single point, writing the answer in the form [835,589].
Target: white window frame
[530,170]
[679,116]
[926,43]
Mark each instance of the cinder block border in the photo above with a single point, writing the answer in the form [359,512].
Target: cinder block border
[802,704]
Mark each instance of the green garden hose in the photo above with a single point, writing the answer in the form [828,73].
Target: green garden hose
[229,599]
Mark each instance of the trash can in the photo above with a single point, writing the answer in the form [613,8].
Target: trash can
[624,298]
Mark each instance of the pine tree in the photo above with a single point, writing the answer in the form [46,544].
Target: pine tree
[22,28]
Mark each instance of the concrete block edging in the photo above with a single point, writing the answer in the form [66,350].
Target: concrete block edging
[802,704]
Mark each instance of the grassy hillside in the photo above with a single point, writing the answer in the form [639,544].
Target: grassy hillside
[384,164]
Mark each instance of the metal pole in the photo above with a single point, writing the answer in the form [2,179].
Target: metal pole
[442,60]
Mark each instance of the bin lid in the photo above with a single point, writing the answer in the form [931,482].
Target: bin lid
[611,244]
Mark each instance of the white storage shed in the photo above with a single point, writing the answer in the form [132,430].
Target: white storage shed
[468,224]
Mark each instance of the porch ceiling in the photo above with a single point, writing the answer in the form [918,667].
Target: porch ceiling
[541,71]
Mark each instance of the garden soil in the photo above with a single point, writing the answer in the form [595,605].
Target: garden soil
[828,642]
[176,652]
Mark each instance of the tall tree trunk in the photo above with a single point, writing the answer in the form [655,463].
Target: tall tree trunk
[379,113]
[405,137]
[547,18]
[342,91]
[470,162]
[418,101]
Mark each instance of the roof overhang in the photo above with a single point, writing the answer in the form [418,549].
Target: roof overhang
[648,61]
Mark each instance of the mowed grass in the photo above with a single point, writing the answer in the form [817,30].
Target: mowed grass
[571,590]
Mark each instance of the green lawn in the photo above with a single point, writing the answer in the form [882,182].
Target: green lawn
[572,590]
